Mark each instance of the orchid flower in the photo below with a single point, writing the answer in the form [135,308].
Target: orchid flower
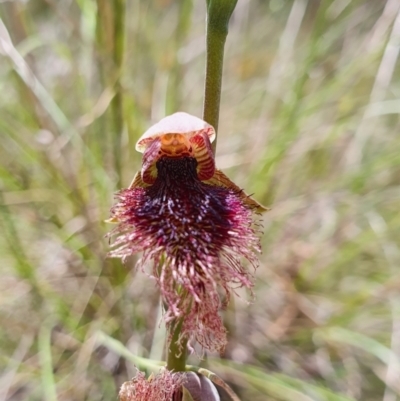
[191,222]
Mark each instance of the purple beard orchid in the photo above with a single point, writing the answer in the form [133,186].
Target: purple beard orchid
[191,222]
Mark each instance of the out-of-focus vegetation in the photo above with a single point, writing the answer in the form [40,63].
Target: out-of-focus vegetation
[310,120]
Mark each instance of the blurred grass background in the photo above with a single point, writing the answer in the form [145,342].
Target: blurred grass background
[309,123]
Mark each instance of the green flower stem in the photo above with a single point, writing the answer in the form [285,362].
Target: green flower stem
[177,349]
[218,15]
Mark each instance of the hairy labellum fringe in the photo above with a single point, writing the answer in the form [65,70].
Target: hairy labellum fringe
[196,235]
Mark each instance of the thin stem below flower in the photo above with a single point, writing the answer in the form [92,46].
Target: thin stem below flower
[176,358]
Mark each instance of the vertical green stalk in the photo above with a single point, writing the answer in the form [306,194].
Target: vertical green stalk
[176,347]
[176,358]
[218,15]
[48,381]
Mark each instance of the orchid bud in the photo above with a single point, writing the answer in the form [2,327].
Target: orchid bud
[199,388]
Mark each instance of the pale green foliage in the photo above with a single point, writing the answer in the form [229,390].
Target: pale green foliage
[309,124]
